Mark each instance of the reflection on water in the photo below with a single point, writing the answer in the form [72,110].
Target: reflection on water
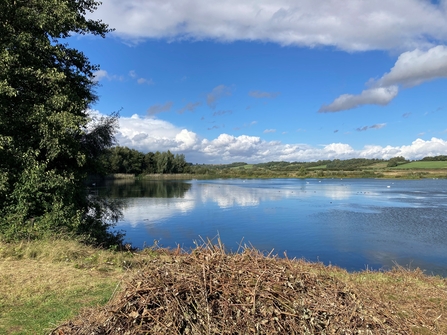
[131,188]
[356,224]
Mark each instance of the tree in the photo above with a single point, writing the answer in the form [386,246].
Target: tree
[149,163]
[48,140]
[395,161]
[179,164]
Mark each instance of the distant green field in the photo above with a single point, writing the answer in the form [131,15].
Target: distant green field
[317,167]
[377,165]
[423,165]
[247,166]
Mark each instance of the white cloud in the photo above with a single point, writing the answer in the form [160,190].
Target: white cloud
[269,131]
[186,140]
[415,67]
[155,109]
[411,68]
[416,150]
[217,93]
[227,147]
[99,75]
[349,25]
[145,81]
[149,134]
[103,74]
[140,80]
[373,96]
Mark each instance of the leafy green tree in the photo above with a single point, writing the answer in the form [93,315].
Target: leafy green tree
[169,162]
[162,161]
[125,160]
[149,163]
[395,161]
[48,140]
[135,162]
[179,164]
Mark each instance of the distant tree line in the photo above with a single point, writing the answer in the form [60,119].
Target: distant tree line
[351,164]
[435,158]
[336,164]
[125,160]
[291,166]
[130,161]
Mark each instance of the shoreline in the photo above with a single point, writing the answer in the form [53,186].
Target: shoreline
[320,174]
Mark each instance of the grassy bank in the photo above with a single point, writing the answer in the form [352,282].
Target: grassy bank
[45,282]
[206,291]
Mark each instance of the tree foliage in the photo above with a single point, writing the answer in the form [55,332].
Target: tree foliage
[351,164]
[395,161]
[125,160]
[48,141]
[435,158]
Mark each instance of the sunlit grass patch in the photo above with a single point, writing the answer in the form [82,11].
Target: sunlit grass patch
[380,165]
[423,165]
[37,294]
[319,167]
[45,282]
[243,167]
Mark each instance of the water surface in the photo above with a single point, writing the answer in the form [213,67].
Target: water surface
[352,223]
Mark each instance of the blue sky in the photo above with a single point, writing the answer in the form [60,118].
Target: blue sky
[256,81]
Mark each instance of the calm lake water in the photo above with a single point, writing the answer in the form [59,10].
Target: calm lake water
[353,223]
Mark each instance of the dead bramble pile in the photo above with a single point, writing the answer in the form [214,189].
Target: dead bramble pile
[209,291]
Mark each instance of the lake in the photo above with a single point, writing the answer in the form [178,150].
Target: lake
[352,223]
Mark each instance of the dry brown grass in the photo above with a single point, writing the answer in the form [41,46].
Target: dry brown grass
[209,291]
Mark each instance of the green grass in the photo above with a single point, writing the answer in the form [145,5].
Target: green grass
[46,282]
[423,165]
[246,167]
[43,307]
[380,165]
[37,295]
[317,167]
